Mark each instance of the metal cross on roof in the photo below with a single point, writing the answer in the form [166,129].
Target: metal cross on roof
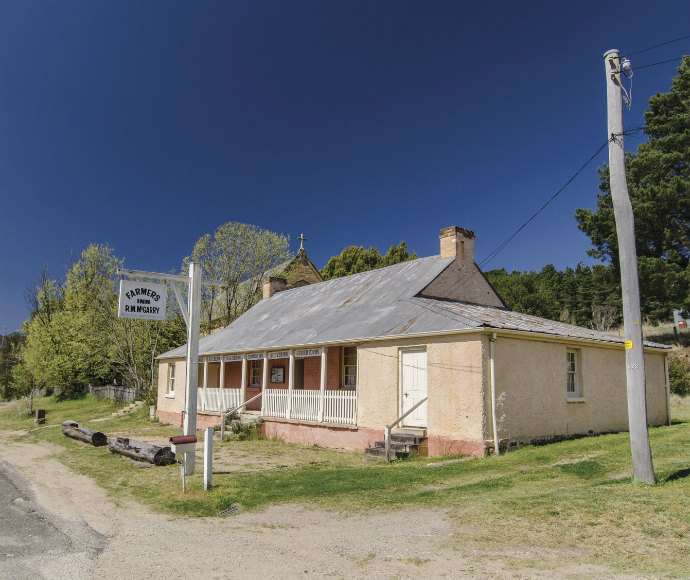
[301,239]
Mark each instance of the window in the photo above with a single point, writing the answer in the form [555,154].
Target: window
[171,378]
[255,373]
[350,367]
[572,384]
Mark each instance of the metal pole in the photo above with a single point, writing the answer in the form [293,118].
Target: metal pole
[192,374]
[643,470]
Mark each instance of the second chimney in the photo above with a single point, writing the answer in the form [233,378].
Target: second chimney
[457,243]
[271,285]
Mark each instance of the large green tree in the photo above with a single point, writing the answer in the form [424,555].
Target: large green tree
[355,259]
[240,255]
[584,296]
[659,186]
[74,337]
[10,359]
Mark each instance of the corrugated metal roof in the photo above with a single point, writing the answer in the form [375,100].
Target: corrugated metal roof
[359,306]
[374,304]
[487,316]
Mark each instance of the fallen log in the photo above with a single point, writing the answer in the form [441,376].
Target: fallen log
[141,451]
[76,431]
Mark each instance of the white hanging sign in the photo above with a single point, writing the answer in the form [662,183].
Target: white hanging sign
[279,354]
[232,358]
[305,352]
[255,356]
[144,300]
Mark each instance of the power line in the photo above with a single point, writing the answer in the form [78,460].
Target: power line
[467,277]
[657,45]
[503,244]
[658,63]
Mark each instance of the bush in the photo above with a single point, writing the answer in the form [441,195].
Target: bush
[679,376]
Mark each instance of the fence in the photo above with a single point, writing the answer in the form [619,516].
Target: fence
[114,393]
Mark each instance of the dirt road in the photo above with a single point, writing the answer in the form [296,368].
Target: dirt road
[293,541]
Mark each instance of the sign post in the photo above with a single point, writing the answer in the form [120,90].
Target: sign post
[151,296]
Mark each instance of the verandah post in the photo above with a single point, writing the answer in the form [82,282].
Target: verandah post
[243,388]
[291,384]
[264,381]
[322,394]
[221,384]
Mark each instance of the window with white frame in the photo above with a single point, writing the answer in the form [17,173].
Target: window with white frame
[349,367]
[572,382]
[255,373]
[171,378]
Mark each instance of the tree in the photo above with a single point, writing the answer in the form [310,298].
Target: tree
[10,348]
[398,254]
[240,255]
[583,296]
[659,187]
[83,341]
[355,259]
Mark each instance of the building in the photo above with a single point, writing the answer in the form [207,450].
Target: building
[336,361]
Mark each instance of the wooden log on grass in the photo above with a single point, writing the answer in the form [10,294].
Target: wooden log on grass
[76,431]
[141,451]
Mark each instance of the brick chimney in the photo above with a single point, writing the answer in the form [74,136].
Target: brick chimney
[457,243]
[271,285]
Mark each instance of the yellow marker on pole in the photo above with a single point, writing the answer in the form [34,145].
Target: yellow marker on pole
[628,344]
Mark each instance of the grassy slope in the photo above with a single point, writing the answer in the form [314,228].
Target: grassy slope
[575,496]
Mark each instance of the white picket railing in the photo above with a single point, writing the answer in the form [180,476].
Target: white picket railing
[275,403]
[339,406]
[305,405]
[218,399]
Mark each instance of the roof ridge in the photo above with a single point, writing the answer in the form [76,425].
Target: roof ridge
[371,272]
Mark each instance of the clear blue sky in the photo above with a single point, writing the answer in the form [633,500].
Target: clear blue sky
[145,125]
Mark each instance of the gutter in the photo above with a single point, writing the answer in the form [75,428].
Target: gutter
[524,334]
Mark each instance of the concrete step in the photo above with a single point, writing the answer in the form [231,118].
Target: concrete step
[128,409]
[379,453]
[404,443]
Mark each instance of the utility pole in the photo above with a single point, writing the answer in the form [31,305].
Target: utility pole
[643,470]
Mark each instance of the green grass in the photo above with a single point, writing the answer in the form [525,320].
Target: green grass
[575,495]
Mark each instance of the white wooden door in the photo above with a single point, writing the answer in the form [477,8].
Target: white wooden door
[413,385]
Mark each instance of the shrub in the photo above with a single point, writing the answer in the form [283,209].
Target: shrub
[679,376]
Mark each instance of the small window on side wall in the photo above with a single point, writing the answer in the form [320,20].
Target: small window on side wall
[572,371]
[171,378]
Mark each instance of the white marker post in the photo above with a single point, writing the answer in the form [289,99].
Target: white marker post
[208,458]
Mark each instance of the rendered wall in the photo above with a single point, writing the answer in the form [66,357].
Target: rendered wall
[168,404]
[531,395]
[455,390]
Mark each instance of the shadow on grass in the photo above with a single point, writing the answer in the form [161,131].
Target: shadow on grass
[680,474]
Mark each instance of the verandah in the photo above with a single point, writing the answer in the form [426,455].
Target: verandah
[320,405]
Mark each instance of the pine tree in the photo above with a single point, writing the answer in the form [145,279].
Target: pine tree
[659,185]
